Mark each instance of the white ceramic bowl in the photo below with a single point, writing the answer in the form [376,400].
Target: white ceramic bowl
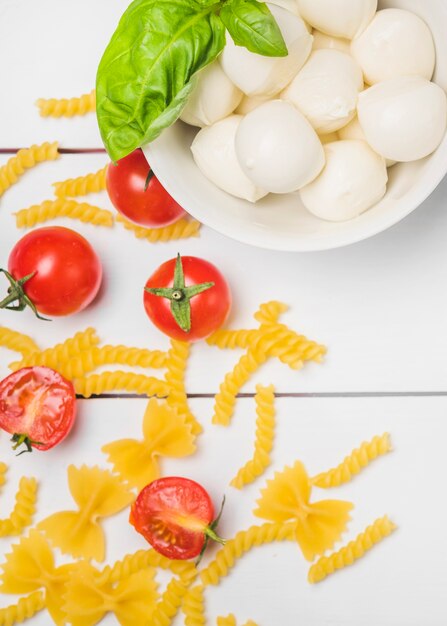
[280,222]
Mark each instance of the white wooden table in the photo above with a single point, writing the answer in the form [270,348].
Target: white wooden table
[380,307]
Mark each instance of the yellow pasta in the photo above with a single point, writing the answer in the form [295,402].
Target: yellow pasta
[165,434]
[346,556]
[183,229]
[25,159]
[225,400]
[175,379]
[25,608]
[24,509]
[3,470]
[90,359]
[265,432]
[318,525]
[230,620]
[97,384]
[289,347]
[30,567]
[51,209]
[170,603]
[231,339]
[354,463]
[67,107]
[132,600]
[98,493]
[145,559]
[270,312]
[194,607]
[82,185]
[61,352]
[243,542]
[17,342]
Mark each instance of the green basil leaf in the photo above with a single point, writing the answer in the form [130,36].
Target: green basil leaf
[251,24]
[144,77]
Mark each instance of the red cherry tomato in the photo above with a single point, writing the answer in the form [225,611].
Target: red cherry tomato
[175,516]
[138,195]
[208,310]
[67,271]
[37,407]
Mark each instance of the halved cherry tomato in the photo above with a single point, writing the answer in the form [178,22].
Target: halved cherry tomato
[187,298]
[137,193]
[175,515]
[54,270]
[37,407]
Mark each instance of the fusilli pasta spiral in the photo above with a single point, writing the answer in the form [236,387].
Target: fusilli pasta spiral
[170,603]
[244,541]
[24,509]
[226,398]
[265,432]
[230,339]
[67,107]
[175,379]
[61,352]
[51,209]
[230,620]
[270,312]
[88,360]
[23,160]
[82,185]
[97,384]
[289,347]
[182,229]
[194,607]
[17,342]
[25,608]
[354,463]
[3,470]
[346,556]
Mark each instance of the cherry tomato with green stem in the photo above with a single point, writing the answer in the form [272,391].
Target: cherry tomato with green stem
[187,298]
[175,515]
[138,195]
[37,407]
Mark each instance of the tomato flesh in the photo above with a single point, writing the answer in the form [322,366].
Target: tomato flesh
[39,403]
[67,270]
[172,514]
[144,202]
[209,309]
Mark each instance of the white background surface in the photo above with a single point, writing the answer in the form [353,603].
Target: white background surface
[380,307]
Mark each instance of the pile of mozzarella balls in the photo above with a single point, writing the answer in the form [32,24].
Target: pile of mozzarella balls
[353,97]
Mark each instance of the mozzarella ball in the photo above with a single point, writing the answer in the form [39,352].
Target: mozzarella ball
[326,90]
[258,75]
[213,98]
[214,152]
[323,41]
[396,43]
[339,18]
[249,104]
[277,148]
[289,5]
[353,130]
[329,138]
[404,119]
[353,180]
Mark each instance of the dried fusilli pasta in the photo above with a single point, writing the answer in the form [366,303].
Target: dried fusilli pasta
[61,352]
[182,229]
[265,432]
[230,620]
[170,603]
[230,339]
[346,556]
[25,608]
[194,607]
[23,160]
[51,209]
[354,463]
[17,342]
[67,107]
[94,357]
[244,541]
[225,400]
[270,312]
[175,379]
[24,509]
[290,348]
[3,470]
[82,185]
[97,384]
